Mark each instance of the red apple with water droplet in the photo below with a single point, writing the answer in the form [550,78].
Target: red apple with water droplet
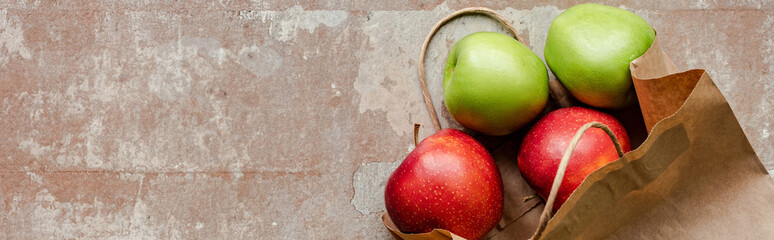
[545,144]
[449,181]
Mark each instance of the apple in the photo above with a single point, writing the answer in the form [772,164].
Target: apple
[589,48]
[545,143]
[449,181]
[494,84]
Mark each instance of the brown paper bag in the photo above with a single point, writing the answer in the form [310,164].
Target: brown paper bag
[695,177]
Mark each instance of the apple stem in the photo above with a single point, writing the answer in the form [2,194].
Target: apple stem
[472,10]
[546,215]
[416,134]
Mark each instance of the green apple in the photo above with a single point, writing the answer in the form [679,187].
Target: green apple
[589,48]
[494,84]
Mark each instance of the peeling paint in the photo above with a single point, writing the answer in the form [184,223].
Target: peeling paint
[33,176]
[369,182]
[284,25]
[34,148]
[101,81]
[94,150]
[394,38]
[11,38]
[172,80]
[49,217]
[262,61]
[138,222]
[236,171]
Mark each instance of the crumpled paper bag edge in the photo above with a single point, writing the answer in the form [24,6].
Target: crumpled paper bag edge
[438,234]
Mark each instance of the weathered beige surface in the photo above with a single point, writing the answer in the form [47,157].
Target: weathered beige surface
[271,120]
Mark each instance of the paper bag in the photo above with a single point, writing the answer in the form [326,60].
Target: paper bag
[695,177]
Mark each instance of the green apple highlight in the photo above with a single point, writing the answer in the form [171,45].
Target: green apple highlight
[589,48]
[494,84]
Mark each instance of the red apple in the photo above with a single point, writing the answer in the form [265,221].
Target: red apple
[543,147]
[450,181]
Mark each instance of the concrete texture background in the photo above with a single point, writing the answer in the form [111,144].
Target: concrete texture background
[270,119]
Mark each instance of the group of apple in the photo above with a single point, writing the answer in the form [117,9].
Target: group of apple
[495,85]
